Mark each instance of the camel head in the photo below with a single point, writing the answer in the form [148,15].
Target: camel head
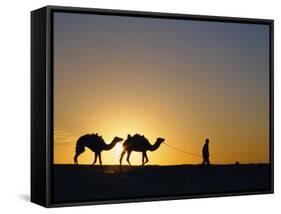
[160,140]
[117,139]
[156,145]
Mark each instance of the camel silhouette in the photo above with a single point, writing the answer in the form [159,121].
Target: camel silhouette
[139,143]
[95,143]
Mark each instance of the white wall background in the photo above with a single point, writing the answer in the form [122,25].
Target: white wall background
[15,105]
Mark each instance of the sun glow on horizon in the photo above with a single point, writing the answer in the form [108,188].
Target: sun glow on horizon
[117,150]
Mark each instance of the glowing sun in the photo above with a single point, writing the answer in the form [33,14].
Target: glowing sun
[117,150]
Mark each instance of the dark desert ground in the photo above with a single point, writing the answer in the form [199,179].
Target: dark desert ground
[74,183]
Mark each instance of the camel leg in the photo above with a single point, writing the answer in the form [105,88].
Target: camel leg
[76,158]
[100,159]
[146,158]
[95,160]
[79,150]
[128,157]
[121,157]
[143,158]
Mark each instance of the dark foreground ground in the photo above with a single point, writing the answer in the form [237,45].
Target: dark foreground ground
[89,183]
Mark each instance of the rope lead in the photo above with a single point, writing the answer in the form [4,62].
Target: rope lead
[182,150]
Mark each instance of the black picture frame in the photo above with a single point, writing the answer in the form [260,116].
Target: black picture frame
[42,100]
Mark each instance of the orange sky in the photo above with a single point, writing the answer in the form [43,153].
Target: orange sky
[180,80]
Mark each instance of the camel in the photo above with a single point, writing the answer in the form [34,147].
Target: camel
[139,143]
[95,143]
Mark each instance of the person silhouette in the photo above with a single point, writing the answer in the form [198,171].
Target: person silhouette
[205,153]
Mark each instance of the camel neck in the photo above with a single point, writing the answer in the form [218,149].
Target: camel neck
[110,146]
[155,146]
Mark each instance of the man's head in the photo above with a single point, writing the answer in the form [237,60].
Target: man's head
[207,140]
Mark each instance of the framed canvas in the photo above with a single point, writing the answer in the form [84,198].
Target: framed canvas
[133,106]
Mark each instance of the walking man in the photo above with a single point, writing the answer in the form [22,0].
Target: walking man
[205,153]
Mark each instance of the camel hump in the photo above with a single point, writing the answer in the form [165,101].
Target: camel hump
[97,138]
[90,137]
[137,138]
[83,137]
